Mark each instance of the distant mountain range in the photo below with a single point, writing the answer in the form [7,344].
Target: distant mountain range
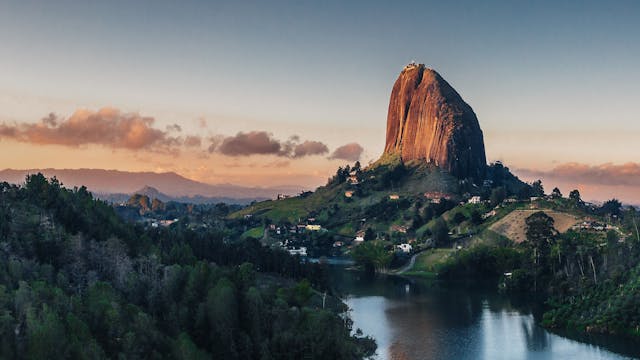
[117,186]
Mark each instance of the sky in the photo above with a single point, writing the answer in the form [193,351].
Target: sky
[284,92]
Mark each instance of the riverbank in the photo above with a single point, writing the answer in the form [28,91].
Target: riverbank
[417,318]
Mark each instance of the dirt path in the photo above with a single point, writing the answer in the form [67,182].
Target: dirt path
[409,265]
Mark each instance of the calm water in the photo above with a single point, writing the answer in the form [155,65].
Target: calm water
[413,320]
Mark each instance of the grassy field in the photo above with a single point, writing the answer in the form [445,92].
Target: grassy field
[513,225]
[427,263]
[256,232]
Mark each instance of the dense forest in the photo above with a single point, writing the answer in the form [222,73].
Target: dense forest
[76,281]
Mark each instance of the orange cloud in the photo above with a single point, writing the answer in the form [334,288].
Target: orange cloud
[310,148]
[108,127]
[349,152]
[263,143]
[605,174]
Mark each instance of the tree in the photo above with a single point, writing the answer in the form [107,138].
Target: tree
[540,236]
[556,194]
[536,188]
[440,232]
[476,217]
[574,196]
[611,207]
[372,255]
[497,195]
[459,218]
[356,167]
[369,234]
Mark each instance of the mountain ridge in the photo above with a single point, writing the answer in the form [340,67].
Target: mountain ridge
[110,182]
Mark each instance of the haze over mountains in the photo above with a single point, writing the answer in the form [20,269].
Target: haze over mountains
[171,185]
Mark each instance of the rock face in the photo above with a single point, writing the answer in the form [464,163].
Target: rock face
[429,121]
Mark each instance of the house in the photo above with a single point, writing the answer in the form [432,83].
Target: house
[338,244]
[167,222]
[474,200]
[353,180]
[282,196]
[489,214]
[405,248]
[348,194]
[394,197]
[437,196]
[359,239]
[248,216]
[312,227]
[399,228]
[302,251]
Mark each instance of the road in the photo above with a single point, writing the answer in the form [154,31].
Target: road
[409,264]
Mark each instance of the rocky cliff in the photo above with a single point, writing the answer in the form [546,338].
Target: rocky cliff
[429,121]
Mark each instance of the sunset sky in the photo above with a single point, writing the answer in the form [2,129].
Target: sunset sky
[284,92]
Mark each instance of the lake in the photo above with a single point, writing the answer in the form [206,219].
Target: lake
[413,319]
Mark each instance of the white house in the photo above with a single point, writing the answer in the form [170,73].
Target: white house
[302,251]
[359,239]
[406,248]
[474,200]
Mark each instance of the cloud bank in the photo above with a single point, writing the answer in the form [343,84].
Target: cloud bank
[607,174]
[108,127]
[112,128]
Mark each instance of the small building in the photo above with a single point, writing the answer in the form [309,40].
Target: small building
[359,239]
[489,214]
[302,251]
[474,200]
[313,227]
[348,194]
[394,197]
[405,248]
[282,196]
[353,180]
[399,228]
[338,244]
[437,196]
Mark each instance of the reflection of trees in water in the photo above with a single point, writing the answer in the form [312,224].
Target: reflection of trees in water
[535,337]
[397,352]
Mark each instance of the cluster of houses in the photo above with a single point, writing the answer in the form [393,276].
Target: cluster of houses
[294,229]
[594,225]
[436,196]
[163,223]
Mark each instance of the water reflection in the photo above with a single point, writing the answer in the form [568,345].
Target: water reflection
[411,320]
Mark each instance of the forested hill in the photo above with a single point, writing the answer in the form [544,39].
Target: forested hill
[77,282]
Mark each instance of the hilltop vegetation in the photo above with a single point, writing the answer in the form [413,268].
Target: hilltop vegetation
[78,282]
